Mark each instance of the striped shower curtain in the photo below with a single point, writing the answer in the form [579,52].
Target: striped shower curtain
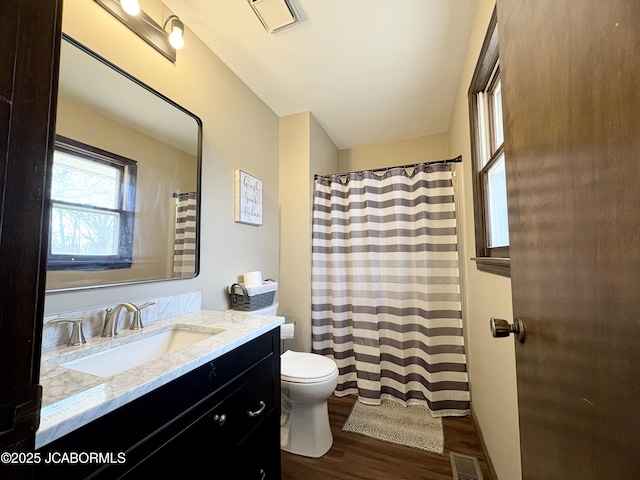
[184,245]
[386,287]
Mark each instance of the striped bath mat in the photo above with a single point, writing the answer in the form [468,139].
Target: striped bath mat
[412,426]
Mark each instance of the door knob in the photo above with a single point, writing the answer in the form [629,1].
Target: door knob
[501,328]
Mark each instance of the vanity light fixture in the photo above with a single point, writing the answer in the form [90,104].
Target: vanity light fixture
[274,14]
[146,28]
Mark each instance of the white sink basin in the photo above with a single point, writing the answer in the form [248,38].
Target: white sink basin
[106,363]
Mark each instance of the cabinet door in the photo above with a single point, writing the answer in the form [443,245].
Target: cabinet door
[201,450]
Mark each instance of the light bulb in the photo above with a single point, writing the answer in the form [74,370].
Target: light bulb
[176,40]
[132,7]
[175,37]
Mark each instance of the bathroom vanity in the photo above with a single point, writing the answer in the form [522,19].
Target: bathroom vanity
[210,410]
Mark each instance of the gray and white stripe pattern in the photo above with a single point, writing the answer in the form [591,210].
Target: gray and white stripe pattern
[386,287]
[184,247]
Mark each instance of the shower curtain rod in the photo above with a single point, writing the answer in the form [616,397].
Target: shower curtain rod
[458,159]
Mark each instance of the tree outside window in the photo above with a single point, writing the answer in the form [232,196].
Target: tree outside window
[92,208]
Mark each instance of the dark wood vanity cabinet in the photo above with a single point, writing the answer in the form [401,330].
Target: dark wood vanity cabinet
[220,421]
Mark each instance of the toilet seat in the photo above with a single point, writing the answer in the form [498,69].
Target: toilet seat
[301,367]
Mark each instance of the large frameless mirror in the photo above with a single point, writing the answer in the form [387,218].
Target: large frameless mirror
[125,179]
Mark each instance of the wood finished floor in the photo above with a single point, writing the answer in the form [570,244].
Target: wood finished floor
[356,457]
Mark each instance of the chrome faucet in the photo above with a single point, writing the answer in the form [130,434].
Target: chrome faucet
[111,318]
[136,323]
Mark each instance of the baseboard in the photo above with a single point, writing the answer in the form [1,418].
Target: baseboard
[487,457]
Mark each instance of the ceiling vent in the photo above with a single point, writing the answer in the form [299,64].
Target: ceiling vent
[274,14]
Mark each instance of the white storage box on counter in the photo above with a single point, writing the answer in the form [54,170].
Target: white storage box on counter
[253,298]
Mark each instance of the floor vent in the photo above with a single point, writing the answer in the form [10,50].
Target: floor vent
[465,467]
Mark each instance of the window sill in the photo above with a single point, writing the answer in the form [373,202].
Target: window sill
[497,266]
[88,265]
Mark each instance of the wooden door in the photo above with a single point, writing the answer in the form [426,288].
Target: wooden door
[571,95]
[29,46]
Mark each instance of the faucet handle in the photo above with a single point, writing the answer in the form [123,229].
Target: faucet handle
[148,304]
[77,335]
[136,323]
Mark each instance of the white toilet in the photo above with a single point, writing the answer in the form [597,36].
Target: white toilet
[307,380]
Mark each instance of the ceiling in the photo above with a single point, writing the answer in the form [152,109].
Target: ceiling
[82,75]
[370,71]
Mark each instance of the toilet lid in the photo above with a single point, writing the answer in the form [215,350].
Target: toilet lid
[300,367]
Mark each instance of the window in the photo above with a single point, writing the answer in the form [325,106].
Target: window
[92,208]
[490,186]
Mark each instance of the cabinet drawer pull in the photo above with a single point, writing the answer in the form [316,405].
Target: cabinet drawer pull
[220,419]
[259,411]
[263,474]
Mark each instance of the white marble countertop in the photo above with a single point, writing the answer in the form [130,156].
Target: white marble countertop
[71,399]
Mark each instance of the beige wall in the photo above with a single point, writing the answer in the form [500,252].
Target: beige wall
[305,149]
[491,361]
[294,294]
[239,132]
[391,154]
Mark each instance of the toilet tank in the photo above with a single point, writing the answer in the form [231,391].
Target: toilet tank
[270,310]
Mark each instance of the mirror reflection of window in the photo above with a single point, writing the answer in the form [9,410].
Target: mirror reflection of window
[85,181]
[92,208]
[84,194]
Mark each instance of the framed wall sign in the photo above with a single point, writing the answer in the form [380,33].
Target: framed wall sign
[248,198]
